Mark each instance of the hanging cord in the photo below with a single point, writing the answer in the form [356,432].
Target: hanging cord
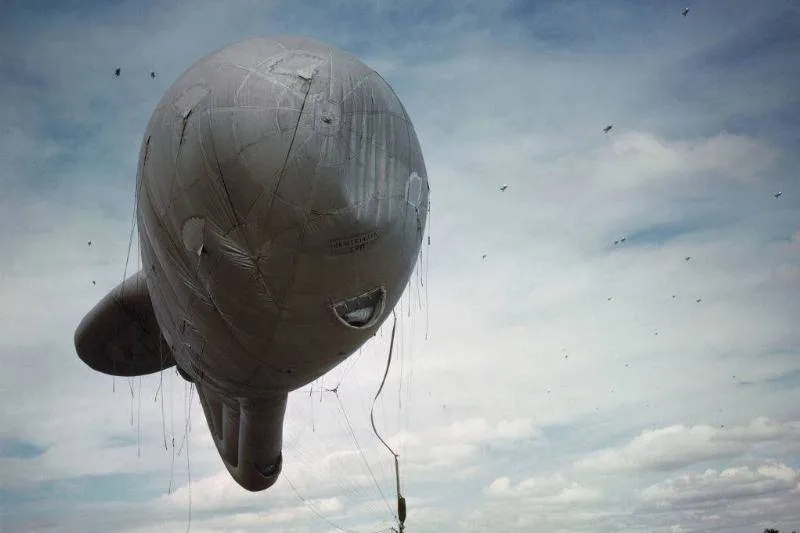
[401,501]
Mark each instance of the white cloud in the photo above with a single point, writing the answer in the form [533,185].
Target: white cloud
[647,158]
[552,490]
[480,430]
[717,487]
[678,446]
[218,491]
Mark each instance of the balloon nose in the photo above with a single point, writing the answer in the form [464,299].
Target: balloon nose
[336,181]
[333,147]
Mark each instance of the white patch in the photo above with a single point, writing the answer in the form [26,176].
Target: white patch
[301,65]
[190,98]
[306,73]
[414,190]
[193,234]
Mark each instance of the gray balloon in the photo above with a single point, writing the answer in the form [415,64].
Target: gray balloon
[282,201]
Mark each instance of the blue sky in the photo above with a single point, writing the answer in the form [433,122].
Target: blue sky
[561,386]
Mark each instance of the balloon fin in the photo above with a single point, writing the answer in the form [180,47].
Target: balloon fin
[120,335]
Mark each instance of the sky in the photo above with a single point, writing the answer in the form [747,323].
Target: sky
[562,382]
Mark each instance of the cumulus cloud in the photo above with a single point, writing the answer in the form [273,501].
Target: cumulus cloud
[678,445]
[552,490]
[719,487]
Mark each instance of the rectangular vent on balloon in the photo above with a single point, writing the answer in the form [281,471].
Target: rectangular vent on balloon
[353,244]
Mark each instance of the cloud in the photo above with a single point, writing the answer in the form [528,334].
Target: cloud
[678,446]
[647,158]
[719,487]
[553,490]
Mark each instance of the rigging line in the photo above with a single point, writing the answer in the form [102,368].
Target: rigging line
[160,383]
[304,457]
[188,464]
[418,267]
[314,509]
[125,272]
[309,458]
[130,385]
[402,358]
[187,406]
[350,365]
[409,382]
[130,245]
[161,389]
[311,402]
[188,427]
[357,496]
[401,501]
[172,430]
[133,223]
[163,417]
[425,274]
[360,451]
[139,422]
[383,382]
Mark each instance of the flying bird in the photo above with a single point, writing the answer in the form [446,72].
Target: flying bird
[90,243]
[116,72]
[503,187]
[685,11]
[777,194]
[607,128]
[152,75]
[483,256]
[687,257]
[699,300]
[623,239]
